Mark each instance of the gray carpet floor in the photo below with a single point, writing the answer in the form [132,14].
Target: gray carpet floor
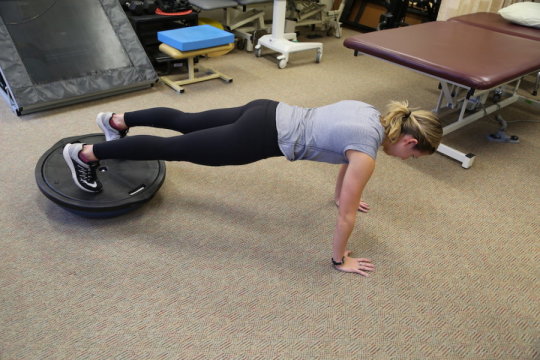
[234,262]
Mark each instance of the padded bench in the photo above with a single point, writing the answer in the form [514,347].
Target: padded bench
[461,56]
[190,42]
[496,22]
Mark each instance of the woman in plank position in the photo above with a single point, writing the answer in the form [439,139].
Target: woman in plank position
[347,133]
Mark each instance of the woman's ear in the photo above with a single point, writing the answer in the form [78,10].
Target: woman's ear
[408,140]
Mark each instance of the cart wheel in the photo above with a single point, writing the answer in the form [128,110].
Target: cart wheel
[318,58]
[258,51]
[282,64]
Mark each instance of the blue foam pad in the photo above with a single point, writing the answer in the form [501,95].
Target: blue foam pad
[195,37]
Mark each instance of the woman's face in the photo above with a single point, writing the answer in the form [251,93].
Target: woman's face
[403,148]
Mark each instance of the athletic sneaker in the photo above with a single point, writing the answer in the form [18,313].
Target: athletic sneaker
[111,133]
[83,174]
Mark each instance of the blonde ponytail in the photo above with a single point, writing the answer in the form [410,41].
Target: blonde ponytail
[423,125]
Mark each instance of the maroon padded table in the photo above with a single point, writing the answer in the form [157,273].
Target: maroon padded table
[458,52]
[461,56]
[495,22]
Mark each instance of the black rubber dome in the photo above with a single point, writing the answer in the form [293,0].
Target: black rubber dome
[127,184]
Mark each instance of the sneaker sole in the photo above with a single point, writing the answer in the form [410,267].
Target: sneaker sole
[69,163]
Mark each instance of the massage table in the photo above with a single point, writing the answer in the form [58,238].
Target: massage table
[324,13]
[469,61]
[496,22]
[242,17]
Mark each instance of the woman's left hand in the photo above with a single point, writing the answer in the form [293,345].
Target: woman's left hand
[363,207]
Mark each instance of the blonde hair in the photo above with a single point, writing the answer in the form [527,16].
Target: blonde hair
[422,125]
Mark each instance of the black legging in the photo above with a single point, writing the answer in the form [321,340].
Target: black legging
[232,136]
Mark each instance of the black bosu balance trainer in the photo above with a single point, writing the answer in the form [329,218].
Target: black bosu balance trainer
[127,184]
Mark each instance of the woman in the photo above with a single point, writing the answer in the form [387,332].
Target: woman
[348,133]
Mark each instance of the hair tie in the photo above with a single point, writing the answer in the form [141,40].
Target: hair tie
[407,116]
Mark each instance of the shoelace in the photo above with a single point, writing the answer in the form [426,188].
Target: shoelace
[88,174]
[123,133]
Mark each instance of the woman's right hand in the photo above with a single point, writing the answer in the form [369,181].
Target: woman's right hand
[360,266]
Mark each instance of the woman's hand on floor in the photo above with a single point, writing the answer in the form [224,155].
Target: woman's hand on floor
[360,266]
[363,207]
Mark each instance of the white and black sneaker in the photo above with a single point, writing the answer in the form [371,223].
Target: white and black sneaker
[84,174]
[103,121]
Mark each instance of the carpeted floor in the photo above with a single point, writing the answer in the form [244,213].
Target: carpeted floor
[234,262]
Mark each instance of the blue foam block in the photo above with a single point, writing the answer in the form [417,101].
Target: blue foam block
[195,37]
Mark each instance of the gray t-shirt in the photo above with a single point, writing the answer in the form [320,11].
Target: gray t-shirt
[326,133]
